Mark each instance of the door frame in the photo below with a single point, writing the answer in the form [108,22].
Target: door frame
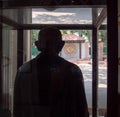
[112,90]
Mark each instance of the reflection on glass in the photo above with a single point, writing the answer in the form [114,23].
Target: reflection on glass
[99,11]
[12,14]
[9,66]
[20,16]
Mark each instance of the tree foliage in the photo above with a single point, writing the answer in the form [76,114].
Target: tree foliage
[102,34]
[34,36]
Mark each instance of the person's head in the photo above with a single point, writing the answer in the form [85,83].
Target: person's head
[49,40]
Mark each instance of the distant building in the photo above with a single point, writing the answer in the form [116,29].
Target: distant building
[77,48]
[72,47]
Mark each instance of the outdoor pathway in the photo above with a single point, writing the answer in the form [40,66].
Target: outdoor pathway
[86,68]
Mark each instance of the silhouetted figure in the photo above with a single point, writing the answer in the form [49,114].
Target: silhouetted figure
[49,86]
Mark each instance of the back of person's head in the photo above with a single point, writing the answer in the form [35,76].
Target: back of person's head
[49,40]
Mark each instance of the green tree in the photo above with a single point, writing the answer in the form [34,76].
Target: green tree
[35,52]
[103,35]
[34,36]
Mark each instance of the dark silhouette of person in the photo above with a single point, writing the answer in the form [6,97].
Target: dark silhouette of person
[48,85]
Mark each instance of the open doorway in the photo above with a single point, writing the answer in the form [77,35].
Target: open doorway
[80,50]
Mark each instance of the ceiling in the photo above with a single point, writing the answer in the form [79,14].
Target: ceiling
[39,3]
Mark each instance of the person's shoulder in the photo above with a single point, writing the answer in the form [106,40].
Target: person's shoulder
[27,66]
[70,65]
[73,70]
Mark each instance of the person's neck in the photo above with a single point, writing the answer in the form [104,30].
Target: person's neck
[49,54]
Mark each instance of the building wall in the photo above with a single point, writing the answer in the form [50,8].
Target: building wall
[71,51]
[80,51]
[85,51]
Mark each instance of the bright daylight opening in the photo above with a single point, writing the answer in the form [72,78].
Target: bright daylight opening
[78,47]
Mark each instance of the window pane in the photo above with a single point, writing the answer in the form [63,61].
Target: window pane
[62,16]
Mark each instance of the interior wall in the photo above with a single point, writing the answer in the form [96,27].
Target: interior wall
[119,45]
[119,57]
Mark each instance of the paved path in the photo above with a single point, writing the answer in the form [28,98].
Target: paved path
[86,68]
[102,85]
